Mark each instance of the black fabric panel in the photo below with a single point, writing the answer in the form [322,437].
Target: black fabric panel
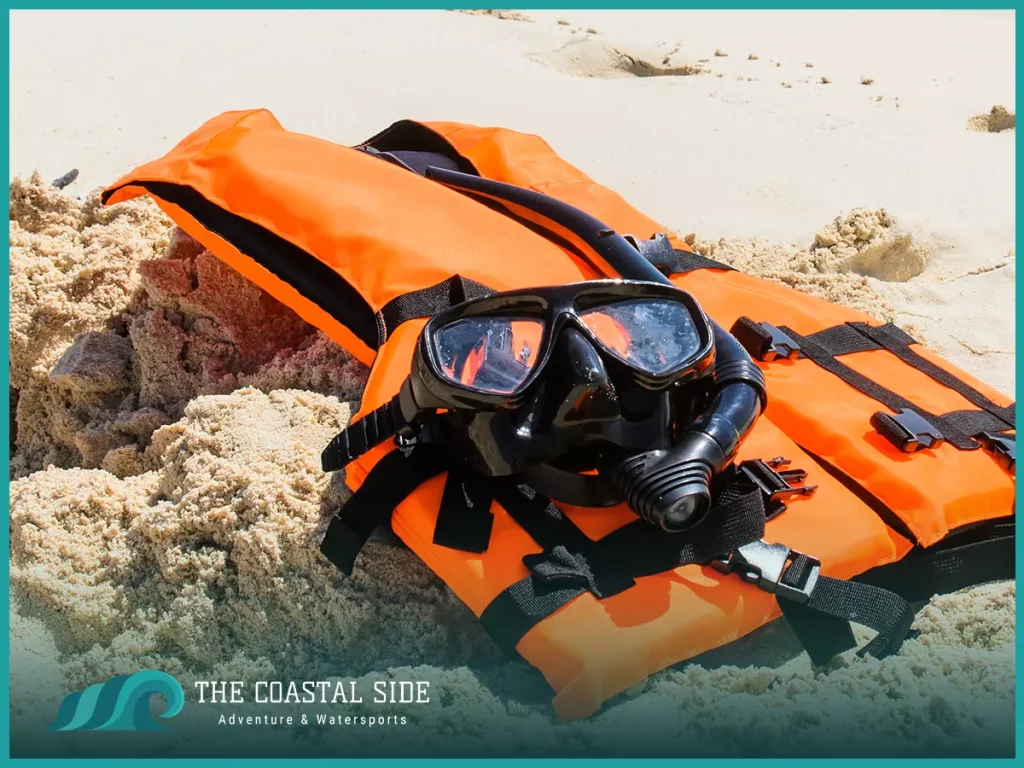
[417,162]
[313,279]
[979,555]
[408,135]
[464,520]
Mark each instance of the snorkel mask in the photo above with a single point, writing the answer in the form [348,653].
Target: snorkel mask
[556,383]
[594,393]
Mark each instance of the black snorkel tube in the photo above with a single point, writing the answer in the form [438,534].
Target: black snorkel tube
[669,488]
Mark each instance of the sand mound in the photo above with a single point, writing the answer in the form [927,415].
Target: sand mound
[212,559]
[73,269]
[590,57]
[997,120]
[837,264]
[118,320]
[869,243]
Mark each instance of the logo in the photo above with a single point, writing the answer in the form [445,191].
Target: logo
[120,704]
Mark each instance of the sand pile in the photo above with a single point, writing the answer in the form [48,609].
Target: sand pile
[997,120]
[210,563]
[117,321]
[180,413]
[73,270]
[835,266]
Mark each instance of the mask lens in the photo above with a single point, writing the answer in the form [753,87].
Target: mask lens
[488,354]
[653,335]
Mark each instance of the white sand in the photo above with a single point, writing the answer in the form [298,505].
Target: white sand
[767,176]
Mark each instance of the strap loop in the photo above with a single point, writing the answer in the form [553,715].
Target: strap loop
[390,482]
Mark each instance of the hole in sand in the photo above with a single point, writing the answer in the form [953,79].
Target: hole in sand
[592,58]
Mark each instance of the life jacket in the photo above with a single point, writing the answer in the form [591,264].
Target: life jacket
[906,462]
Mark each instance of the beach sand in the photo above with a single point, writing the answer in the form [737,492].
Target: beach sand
[166,493]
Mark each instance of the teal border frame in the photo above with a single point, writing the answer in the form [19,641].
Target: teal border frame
[406,5]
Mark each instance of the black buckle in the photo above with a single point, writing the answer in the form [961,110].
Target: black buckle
[1002,447]
[764,565]
[406,439]
[764,341]
[907,430]
[777,486]
[658,250]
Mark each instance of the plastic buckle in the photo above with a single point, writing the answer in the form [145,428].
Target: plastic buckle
[405,441]
[764,341]
[1002,447]
[781,345]
[764,565]
[907,430]
[777,486]
[658,250]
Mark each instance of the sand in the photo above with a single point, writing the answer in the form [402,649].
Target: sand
[167,495]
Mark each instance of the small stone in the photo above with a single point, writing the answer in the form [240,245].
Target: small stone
[95,362]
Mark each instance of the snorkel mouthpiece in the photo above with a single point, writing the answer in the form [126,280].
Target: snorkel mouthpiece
[671,488]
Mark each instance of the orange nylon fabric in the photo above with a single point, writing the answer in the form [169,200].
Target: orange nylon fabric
[932,492]
[383,230]
[386,232]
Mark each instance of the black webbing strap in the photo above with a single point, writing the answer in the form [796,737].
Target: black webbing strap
[979,555]
[845,339]
[822,624]
[572,564]
[362,435]
[427,302]
[880,598]
[387,485]
[823,357]
[898,342]
[464,519]
[860,337]
[910,427]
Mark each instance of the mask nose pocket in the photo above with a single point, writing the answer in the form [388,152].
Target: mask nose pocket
[579,387]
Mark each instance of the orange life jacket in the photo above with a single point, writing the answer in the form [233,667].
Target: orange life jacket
[366,251]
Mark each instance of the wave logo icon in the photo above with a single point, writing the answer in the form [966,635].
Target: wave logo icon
[120,704]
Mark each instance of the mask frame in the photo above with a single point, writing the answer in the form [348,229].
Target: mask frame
[430,387]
